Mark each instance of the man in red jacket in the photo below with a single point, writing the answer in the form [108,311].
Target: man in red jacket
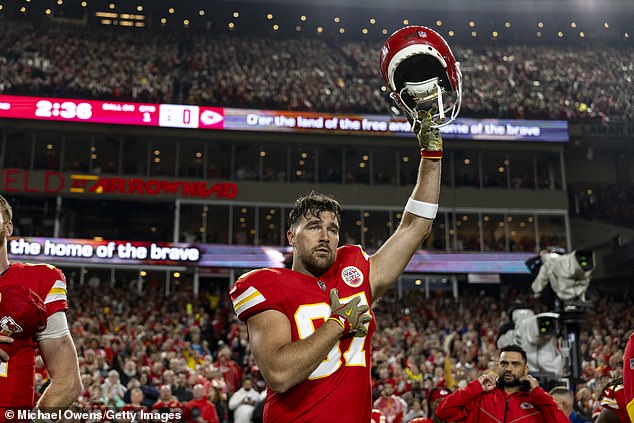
[511,395]
[200,409]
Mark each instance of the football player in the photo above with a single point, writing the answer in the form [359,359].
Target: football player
[310,327]
[32,318]
[612,407]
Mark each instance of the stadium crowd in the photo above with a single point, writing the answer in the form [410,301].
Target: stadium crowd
[140,348]
[306,73]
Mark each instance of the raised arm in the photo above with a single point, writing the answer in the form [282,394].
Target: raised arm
[387,264]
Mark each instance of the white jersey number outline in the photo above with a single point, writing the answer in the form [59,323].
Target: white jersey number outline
[306,314]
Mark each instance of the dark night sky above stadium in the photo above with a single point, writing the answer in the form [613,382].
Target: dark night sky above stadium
[606,20]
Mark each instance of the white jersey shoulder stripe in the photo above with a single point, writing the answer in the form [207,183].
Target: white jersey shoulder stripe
[59,284]
[249,298]
[54,297]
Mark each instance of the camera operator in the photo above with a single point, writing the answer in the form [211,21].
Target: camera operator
[509,395]
[568,274]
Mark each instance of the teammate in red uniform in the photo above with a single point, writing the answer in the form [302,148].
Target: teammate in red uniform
[613,406]
[310,328]
[628,376]
[32,316]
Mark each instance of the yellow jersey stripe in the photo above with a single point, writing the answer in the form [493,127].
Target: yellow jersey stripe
[247,299]
[57,291]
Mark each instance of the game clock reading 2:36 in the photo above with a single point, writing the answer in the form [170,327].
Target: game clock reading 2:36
[65,109]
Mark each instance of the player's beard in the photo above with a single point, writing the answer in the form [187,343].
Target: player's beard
[316,264]
[510,382]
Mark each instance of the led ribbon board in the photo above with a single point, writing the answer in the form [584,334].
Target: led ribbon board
[231,119]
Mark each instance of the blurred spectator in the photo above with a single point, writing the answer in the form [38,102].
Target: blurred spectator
[128,372]
[243,401]
[180,389]
[167,403]
[200,409]
[112,390]
[136,402]
[565,400]
[219,400]
[391,405]
[415,411]
[230,370]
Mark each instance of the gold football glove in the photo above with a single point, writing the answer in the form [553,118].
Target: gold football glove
[351,316]
[428,137]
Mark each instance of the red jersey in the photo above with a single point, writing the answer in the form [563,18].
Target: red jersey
[628,376]
[341,385]
[613,398]
[17,375]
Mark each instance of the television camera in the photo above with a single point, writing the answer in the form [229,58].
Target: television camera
[551,339]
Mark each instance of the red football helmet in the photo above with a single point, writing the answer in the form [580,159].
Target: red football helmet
[419,67]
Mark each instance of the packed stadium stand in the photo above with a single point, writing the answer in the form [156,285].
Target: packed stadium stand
[304,73]
[187,211]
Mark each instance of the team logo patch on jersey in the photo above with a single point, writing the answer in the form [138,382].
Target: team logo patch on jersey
[631,363]
[352,276]
[8,326]
[526,406]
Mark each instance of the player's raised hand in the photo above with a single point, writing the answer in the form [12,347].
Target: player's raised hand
[351,316]
[428,136]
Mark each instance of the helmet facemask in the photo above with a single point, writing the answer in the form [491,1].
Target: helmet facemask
[421,83]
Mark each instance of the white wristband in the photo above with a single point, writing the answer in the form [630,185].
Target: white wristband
[421,208]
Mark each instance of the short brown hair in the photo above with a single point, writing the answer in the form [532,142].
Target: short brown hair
[6,210]
[517,349]
[314,203]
